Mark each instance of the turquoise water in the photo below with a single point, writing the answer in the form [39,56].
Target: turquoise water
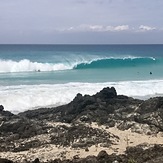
[47,64]
[43,75]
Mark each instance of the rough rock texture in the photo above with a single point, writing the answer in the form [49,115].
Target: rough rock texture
[2,160]
[80,136]
[23,131]
[133,155]
[106,107]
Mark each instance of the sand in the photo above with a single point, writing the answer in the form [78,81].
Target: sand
[50,152]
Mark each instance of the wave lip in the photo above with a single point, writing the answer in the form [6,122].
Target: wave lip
[116,62]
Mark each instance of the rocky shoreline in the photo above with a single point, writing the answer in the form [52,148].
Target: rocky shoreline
[114,128]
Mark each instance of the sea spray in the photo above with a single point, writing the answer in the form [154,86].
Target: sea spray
[23,97]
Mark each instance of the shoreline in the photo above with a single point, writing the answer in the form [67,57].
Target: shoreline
[20,98]
[84,127]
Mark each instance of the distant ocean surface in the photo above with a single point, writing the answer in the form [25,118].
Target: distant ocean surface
[33,76]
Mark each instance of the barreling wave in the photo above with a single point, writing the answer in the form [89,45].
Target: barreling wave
[116,63]
[28,66]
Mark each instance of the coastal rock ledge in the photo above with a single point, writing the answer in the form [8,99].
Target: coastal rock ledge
[105,127]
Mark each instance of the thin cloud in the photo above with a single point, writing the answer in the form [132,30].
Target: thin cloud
[146,28]
[121,28]
[96,28]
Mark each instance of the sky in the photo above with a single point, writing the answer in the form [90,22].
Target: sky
[81,21]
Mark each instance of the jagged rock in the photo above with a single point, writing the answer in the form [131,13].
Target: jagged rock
[5,161]
[107,93]
[76,157]
[23,127]
[1,108]
[90,159]
[5,114]
[102,155]
[56,161]
[86,149]
[87,136]
[138,154]
[36,161]
[105,107]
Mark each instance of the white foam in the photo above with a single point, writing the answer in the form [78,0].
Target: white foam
[26,66]
[20,98]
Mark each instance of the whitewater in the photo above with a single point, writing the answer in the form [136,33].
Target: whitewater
[33,76]
[20,98]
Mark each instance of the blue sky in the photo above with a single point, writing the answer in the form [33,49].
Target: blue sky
[81,21]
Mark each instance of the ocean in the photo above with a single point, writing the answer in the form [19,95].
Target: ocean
[33,76]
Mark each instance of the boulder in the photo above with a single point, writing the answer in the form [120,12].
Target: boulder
[2,160]
[107,93]
[1,108]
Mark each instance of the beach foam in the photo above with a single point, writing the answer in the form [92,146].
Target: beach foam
[23,97]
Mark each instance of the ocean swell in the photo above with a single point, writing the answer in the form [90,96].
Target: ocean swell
[26,65]
[116,63]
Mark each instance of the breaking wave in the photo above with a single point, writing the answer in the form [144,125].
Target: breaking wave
[116,63]
[26,65]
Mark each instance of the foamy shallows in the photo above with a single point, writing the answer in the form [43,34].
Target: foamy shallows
[24,97]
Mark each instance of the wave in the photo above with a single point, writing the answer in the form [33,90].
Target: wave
[116,63]
[26,65]
[23,97]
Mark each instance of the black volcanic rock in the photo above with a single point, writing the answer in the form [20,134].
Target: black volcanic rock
[15,127]
[132,155]
[36,161]
[151,113]
[107,93]
[5,114]
[1,108]
[105,107]
[87,136]
[138,154]
[102,155]
[80,104]
[2,160]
